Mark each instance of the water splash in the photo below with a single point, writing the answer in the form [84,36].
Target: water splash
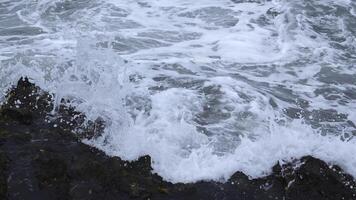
[205,88]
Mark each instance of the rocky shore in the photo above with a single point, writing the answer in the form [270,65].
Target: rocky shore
[42,157]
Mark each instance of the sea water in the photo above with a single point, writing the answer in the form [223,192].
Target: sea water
[205,87]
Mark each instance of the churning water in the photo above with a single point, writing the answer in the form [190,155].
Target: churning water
[205,87]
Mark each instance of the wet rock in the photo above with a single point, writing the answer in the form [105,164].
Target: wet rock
[41,157]
[3,181]
[316,180]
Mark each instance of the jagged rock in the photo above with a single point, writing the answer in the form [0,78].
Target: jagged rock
[41,157]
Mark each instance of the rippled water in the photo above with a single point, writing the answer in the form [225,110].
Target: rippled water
[206,87]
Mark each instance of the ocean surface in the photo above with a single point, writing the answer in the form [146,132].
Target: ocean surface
[205,87]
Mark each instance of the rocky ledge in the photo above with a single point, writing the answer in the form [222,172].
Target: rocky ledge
[41,157]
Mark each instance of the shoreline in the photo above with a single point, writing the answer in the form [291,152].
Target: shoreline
[44,159]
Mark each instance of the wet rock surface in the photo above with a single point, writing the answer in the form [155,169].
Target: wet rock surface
[41,157]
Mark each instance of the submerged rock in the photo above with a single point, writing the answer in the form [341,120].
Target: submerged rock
[41,157]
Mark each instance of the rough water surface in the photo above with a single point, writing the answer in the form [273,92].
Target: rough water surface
[205,87]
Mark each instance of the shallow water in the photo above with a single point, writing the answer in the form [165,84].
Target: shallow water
[205,87]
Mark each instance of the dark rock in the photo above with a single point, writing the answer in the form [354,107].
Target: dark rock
[3,181]
[41,157]
[316,180]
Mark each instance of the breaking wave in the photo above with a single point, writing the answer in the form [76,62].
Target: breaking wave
[204,87]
